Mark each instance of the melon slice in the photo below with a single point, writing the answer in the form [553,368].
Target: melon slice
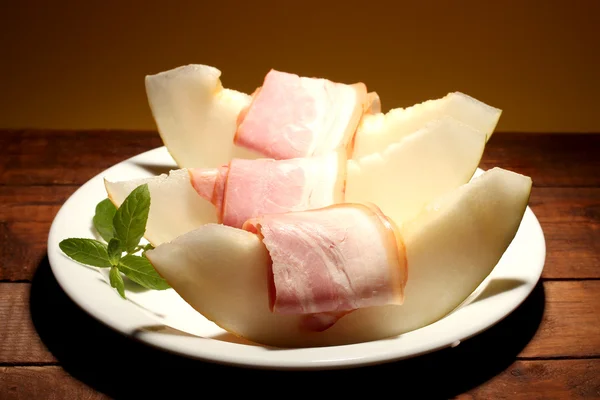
[450,248]
[407,175]
[175,207]
[195,116]
[401,180]
[378,131]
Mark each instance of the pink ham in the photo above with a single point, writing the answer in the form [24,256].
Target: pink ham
[248,188]
[292,116]
[373,106]
[204,181]
[373,103]
[331,261]
[209,183]
[219,189]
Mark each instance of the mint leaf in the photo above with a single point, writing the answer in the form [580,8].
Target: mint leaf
[103,219]
[146,248]
[114,251]
[86,251]
[116,281]
[141,271]
[130,219]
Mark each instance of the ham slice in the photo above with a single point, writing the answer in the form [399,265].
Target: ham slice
[204,181]
[246,189]
[373,103]
[292,116]
[331,261]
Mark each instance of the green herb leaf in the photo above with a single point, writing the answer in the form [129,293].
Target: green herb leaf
[130,219]
[146,248]
[116,281]
[141,271]
[86,251]
[103,219]
[114,251]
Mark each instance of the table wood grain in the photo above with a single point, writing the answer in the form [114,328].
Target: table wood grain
[49,348]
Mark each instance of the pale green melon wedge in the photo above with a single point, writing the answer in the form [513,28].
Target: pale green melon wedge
[450,248]
[378,131]
[407,175]
[175,207]
[195,116]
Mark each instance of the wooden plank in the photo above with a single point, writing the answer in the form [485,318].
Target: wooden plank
[571,322]
[562,379]
[43,383]
[551,160]
[559,319]
[19,341]
[68,158]
[6,137]
[570,219]
[13,196]
[83,346]
[73,157]
[26,213]
[24,245]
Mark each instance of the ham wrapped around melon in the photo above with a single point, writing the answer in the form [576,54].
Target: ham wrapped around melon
[245,189]
[292,116]
[330,261]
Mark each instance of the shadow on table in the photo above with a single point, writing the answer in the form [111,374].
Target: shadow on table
[124,368]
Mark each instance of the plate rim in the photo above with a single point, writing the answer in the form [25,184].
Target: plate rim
[222,355]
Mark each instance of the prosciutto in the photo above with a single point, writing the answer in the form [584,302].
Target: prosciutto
[245,189]
[330,261]
[373,103]
[292,116]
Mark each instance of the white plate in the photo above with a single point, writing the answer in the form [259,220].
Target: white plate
[164,320]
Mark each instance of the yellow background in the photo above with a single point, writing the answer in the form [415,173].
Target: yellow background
[82,64]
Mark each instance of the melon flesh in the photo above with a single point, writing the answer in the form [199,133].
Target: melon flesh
[195,116]
[451,246]
[175,207]
[400,180]
[407,175]
[378,131]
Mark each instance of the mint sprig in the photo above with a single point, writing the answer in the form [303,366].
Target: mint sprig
[116,281]
[86,251]
[139,270]
[130,219]
[114,251]
[103,220]
[123,228]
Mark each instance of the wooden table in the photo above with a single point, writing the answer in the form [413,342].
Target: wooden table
[49,348]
